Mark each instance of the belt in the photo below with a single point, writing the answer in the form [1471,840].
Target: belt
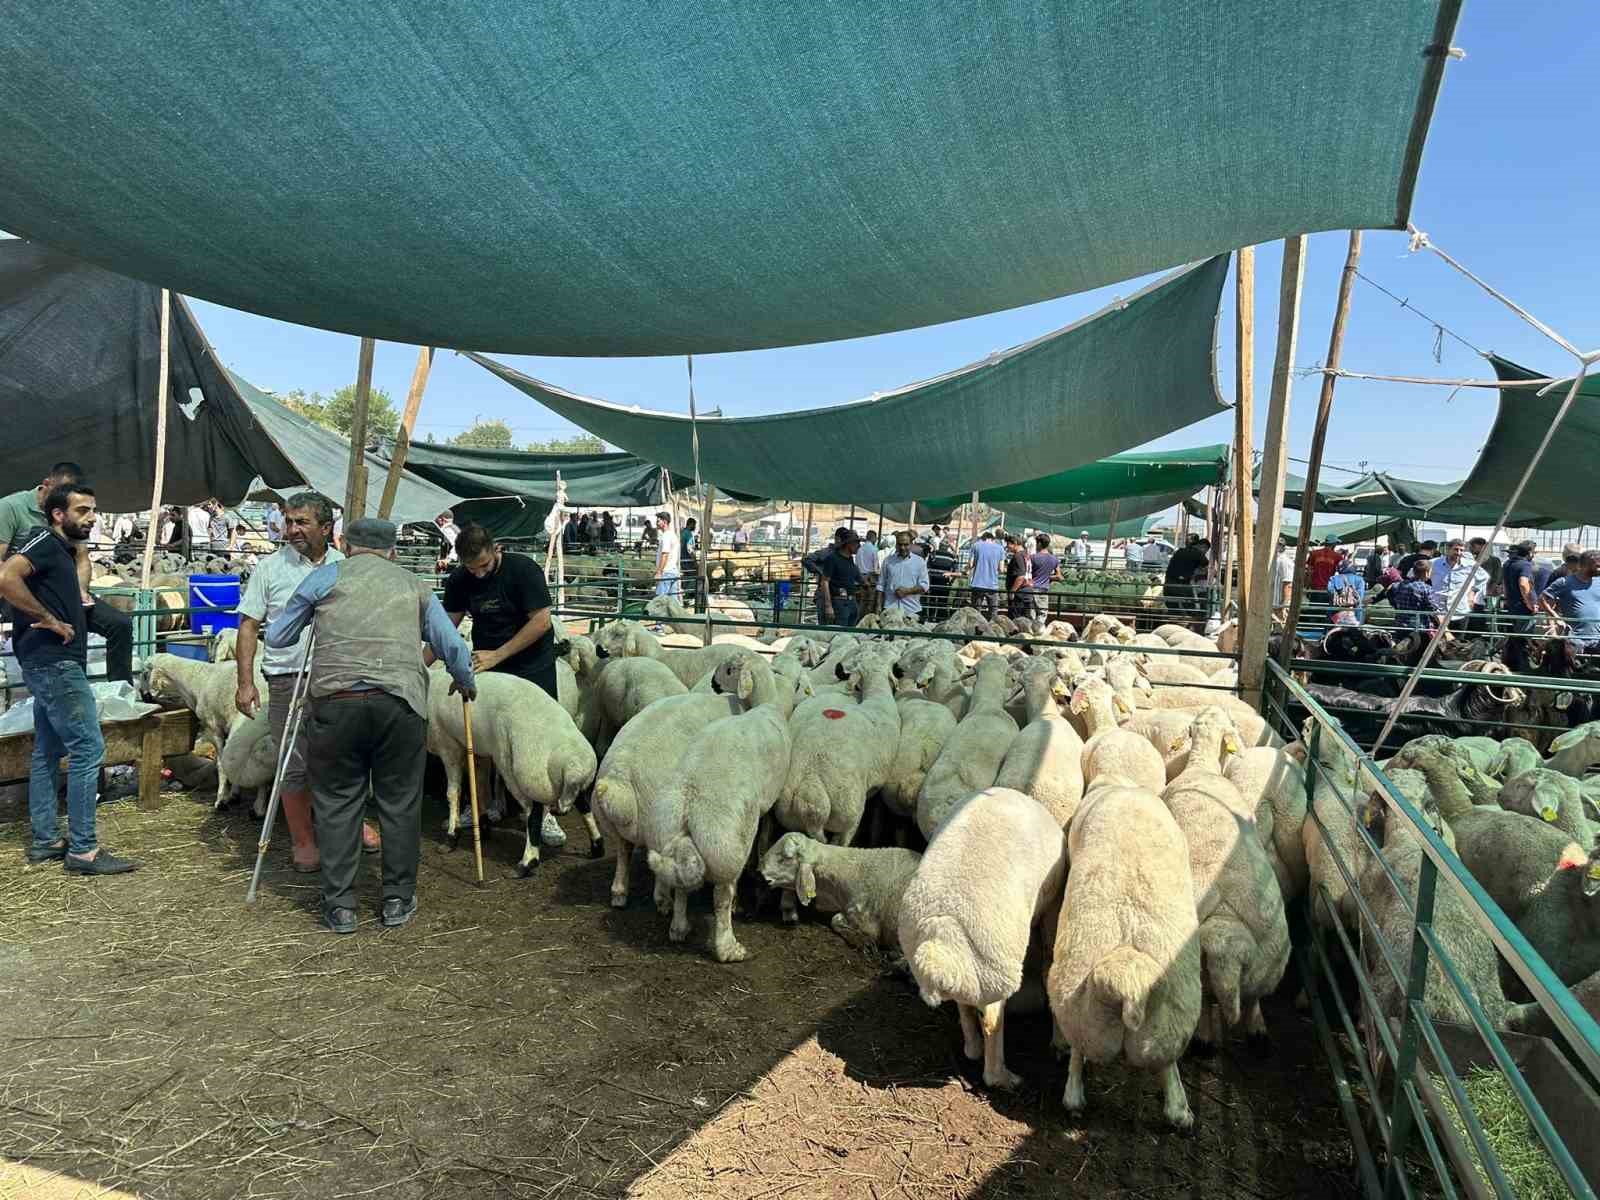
[361,694]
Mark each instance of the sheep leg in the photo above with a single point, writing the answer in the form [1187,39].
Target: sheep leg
[1058,1040]
[663,897]
[619,881]
[995,1072]
[679,929]
[597,841]
[1174,1104]
[1204,1042]
[1256,1035]
[1073,1099]
[788,907]
[452,798]
[971,1037]
[530,848]
[724,946]
[224,788]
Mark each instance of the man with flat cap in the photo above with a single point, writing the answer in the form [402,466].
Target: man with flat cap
[368,710]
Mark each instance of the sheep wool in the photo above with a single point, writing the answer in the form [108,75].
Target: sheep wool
[1045,760]
[208,690]
[1111,751]
[1125,980]
[971,758]
[988,876]
[863,889]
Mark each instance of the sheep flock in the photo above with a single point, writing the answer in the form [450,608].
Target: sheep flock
[1093,822]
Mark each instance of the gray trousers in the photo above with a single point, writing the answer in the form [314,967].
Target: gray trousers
[374,736]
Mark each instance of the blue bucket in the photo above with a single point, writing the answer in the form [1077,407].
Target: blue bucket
[213,599]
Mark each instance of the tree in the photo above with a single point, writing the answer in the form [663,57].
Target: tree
[485,435]
[584,443]
[337,412]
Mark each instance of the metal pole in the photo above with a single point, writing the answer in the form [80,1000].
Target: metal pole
[1274,464]
[297,699]
[1319,437]
[162,375]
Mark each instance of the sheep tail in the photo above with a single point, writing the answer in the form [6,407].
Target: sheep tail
[943,971]
[1226,950]
[614,804]
[679,865]
[1125,978]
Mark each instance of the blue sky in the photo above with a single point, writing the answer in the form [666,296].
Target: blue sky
[1508,186]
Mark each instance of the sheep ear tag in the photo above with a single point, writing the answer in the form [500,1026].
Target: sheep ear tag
[1549,813]
[1230,744]
[805,884]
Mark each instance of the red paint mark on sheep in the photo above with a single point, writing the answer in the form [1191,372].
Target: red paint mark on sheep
[833,714]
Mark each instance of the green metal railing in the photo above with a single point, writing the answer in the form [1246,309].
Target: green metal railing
[1404,1122]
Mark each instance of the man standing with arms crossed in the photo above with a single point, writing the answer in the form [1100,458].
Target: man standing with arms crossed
[367,718]
[308,526]
[50,631]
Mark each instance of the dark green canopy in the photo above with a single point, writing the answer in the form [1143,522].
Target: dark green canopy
[1140,473]
[1378,493]
[1558,488]
[510,492]
[596,177]
[1125,376]
[1362,529]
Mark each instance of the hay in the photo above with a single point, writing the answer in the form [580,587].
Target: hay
[1510,1135]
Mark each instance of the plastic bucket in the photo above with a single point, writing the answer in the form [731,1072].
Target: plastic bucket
[213,599]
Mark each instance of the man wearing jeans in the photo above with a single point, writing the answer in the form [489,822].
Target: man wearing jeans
[668,556]
[23,511]
[40,582]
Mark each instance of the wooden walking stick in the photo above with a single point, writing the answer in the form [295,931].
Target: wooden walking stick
[472,790]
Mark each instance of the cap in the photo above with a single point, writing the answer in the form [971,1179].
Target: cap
[370,533]
[1330,540]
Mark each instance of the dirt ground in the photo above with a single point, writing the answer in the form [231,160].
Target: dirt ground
[527,1040]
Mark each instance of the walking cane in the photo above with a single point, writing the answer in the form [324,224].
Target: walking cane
[291,734]
[472,789]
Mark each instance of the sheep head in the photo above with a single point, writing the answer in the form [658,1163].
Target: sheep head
[1591,876]
[789,865]
[1539,793]
[735,676]
[1586,735]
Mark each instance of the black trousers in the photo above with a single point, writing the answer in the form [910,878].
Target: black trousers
[116,627]
[353,739]
[985,600]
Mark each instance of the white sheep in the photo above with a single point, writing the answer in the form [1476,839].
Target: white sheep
[248,758]
[1045,760]
[1332,810]
[641,754]
[723,608]
[840,755]
[987,877]
[861,888]
[537,751]
[577,671]
[624,689]
[1244,936]
[1125,980]
[925,727]
[971,758]
[1552,797]
[1274,785]
[629,639]
[207,689]
[707,810]
[1110,750]
[1576,750]
[224,645]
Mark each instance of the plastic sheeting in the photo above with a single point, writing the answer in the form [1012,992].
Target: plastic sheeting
[114,702]
[79,359]
[597,177]
[1132,372]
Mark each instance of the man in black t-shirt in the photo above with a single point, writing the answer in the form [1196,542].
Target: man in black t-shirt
[510,606]
[511,627]
[50,632]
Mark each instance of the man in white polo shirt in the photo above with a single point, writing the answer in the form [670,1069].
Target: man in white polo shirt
[308,527]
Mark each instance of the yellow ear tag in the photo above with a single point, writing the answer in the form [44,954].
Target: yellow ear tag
[1230,744]
[1549,814]
[1594,871]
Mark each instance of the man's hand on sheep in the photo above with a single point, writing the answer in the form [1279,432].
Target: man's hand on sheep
[468,693]
[485,660]
[246,699]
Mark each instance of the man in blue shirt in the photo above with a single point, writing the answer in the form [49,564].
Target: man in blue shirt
[50,629]
[1574,600]
[368,710]
[1525,578]
[1347,592]
[985,559]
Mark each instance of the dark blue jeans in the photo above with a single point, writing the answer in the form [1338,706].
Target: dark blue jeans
[65,722]
[845,612]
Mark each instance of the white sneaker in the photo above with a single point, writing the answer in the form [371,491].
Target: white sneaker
[551,833]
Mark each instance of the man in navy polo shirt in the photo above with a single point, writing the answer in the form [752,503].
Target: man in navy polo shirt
[50,632]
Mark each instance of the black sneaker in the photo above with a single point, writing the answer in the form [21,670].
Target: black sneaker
[103,863]
[396,912]
[54,852]
[339,920]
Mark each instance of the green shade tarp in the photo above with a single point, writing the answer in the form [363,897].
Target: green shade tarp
[1560,487]
[510,492]
[597,177]
[80,353]
[1122,476]
[1360,530]
[1070,519]
[1133,372]
[321,460]
[1377,493]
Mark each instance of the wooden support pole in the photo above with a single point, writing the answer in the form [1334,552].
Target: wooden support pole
[974,517]
[1244,413]
[1111,532]
[402,437]
[1274,464]
[162,375]
[1226,551]
[1319,437]
[355,485]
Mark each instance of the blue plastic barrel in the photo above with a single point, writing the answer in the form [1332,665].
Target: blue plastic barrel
[213,599]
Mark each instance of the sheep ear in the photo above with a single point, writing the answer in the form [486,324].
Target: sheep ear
[1120,704]
[805,884]
[747,681]
[1570,738]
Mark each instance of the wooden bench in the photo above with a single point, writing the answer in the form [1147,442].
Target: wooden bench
[146,742]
